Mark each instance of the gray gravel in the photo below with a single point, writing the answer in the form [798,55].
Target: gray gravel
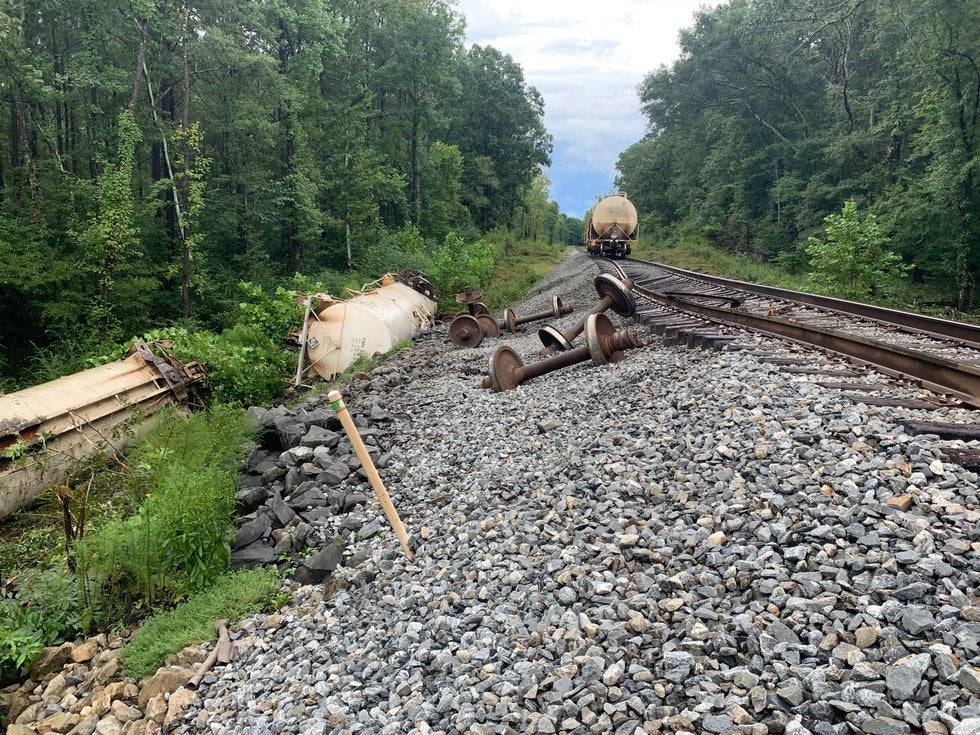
[683,542]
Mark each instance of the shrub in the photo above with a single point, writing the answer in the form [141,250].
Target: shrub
[852,261]
[42,612]
[232,596]
[178,540]
[242,364]
[274,315]
[20,638]
[401,250]
[457,264]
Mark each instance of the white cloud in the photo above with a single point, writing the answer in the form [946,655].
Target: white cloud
[587,59]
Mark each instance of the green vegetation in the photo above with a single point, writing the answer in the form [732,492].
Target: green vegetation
[339,139]
[519,268]
[852,261]
[232,596]
[40,612]
[777,114]
[164,537]
[176,540]
[698,254]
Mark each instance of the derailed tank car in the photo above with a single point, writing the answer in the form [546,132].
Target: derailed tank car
[613,227]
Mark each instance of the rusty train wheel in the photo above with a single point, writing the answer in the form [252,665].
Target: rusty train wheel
[598,327]
[504,364]
[623,302]
[552,339]
[489,324]
[556,307]
[466,331]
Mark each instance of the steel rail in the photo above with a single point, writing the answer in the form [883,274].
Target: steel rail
[936,373]
[946,376]
[969,334]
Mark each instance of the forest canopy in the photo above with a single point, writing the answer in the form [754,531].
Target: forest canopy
[778,112]
[154,154]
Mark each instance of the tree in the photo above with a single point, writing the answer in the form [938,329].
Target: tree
[111,239]
[777,113]
[538,217]
[851,260]
[499,127]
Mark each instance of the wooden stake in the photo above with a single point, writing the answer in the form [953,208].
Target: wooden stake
[337,403]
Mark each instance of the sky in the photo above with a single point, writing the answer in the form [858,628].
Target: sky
[587,59]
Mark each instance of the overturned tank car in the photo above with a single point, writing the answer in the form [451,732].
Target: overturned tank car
[336,332]
[47,429]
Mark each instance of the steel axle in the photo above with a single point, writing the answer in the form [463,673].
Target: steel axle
[604,344]
[614,293]
[513,322]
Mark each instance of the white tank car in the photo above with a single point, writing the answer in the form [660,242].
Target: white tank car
[369,323]
[612,227]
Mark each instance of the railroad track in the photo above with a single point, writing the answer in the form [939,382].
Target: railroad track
[940,355]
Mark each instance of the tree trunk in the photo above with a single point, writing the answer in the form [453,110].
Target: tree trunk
[93,126]
[140,60]
[33,187]
[292,242]
[416,184]
[168,112]
[185,182]
[60,135]
[14,153]
[350,260]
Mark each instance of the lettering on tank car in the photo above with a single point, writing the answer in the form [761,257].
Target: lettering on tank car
[357,343]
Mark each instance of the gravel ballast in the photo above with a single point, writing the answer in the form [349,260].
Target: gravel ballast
[686,541]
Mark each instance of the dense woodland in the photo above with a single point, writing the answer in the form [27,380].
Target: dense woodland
[154,154]
[780,111]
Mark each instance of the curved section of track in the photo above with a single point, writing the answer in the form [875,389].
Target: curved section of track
[870,340]
[967,334]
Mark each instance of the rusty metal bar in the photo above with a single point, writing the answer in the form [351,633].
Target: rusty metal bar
[945,376]
[969,334]
[223,652]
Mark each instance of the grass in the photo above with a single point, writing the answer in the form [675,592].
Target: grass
[520,266]
[34,536]
[233,596]
[701,256]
